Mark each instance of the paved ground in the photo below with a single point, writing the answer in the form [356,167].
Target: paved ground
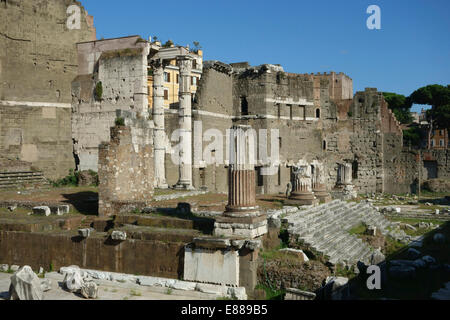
[109,290]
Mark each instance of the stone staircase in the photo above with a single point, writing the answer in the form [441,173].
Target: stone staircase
[325,228]
[21,179]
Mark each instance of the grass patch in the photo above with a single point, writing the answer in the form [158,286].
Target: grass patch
[393,246]
[359,229]
[341,271]
[169,291]
[135,293]
[272,293]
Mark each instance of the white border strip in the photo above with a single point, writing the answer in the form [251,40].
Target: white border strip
[35,104]
[300,102]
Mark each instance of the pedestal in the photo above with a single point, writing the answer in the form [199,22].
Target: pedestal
[321,193]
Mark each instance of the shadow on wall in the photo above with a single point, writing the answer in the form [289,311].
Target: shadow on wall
[84,202]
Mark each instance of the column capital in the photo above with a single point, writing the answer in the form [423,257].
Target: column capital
[184,62]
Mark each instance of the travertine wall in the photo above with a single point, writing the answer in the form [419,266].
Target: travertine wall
[38,61]
[126,169]
[61,250]
[120,65]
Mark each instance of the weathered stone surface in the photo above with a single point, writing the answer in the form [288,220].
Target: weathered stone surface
[377,257]
[198,263]
[12,208]
[126,170]
[89,290]
[296,294]
[69,269]
[73,280]
[25,285]
[296,252]
[87,178]
[4,267]
[38,63]
[62,210]
[86,232]
[46,285]
[119,235]
[238,293]
[183,285]
[14,268]
[42,211]
[211,288]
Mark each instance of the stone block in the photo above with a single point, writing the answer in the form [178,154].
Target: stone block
[218,266]
[119,235]
[25,285]
[42,211]
[14,268]
[86,232]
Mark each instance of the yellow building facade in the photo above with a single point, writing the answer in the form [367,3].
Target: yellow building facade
[171,80]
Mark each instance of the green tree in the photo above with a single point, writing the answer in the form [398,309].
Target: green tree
[413,136]
[197,46]
[400,106]
[168,44]
[438,97]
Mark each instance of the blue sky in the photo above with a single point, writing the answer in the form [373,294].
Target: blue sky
[411,50]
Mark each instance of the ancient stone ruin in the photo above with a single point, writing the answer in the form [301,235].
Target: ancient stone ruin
[199,193]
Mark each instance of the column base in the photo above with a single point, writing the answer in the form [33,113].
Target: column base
[241,227]
[302,198]
[184,185]
[345,192]
[322,195]
[162,186]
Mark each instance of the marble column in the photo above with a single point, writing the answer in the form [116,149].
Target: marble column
[345,183]
[185,123]
[241,172]
[344,174]
[318,184]
[159,135]
[242,218]
[301,187]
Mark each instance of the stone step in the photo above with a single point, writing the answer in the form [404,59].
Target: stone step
[312,212]
[340,250]
[330,240]
[357,252]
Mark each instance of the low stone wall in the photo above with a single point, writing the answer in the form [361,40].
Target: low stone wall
[144,257]
[125,169]
[305,276]
[180,195]
[437,185]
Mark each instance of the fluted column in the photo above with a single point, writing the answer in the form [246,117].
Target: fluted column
[241,171]
[159,128]
[242,218]
[318,184]
[185,123]
[302,187]
[344,174]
